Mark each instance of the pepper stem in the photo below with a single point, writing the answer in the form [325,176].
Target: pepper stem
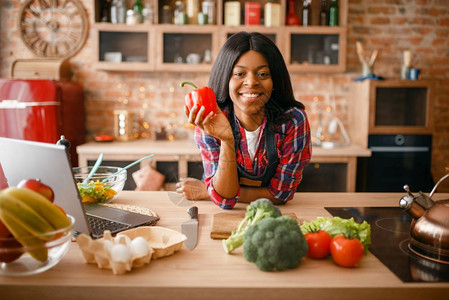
[189,83]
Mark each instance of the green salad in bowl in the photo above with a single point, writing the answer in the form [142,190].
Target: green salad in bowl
[103,186]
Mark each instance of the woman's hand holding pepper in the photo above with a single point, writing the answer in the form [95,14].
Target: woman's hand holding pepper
[216,124]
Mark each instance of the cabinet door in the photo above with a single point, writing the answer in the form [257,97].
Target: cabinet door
[322,49]
[401,107]
[122,47]
[188,48]
[324,177]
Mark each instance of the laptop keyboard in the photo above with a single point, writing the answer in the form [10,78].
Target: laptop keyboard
[98,226]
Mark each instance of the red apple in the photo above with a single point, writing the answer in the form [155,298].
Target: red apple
[4,232]
[14,251]
[37,186]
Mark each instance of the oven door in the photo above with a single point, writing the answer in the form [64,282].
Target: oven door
[396,160]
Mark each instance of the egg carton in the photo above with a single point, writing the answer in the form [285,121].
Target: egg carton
[161,241]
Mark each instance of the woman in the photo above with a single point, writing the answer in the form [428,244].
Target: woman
[257,143]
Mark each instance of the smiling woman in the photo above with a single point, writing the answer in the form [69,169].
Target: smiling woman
[257,143]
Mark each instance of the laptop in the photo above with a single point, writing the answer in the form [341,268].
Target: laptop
[22,159]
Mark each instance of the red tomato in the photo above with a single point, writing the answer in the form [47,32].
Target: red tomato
[319,244]
[346,252]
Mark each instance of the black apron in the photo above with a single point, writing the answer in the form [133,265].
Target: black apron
[262,180]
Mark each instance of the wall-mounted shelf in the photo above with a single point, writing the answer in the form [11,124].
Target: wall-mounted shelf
[161,47]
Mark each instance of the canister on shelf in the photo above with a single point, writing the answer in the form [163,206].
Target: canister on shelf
[272,14]
[192,11]
[126,125]
[232,13]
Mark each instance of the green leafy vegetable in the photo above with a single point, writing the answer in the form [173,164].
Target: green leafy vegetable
[338,226]
[275,244]
[255,211]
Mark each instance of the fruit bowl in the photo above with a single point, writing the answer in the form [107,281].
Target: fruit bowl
[16,259]
[103,186]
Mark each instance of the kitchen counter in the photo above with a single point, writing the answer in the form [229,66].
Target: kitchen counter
[208,272]
[184,151]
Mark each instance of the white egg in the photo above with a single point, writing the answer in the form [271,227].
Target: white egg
[122,239]
[139,246]
[120,253]
[107,245]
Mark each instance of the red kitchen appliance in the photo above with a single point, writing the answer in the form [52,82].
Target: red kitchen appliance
[43,110]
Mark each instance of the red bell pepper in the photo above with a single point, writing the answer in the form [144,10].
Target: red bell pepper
[204,96]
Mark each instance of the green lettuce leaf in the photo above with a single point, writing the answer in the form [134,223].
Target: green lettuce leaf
[338,226]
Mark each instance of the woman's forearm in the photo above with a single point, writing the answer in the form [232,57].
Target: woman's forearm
[249,194]
[225,180]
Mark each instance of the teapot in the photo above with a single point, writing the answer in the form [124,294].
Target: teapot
[429,229]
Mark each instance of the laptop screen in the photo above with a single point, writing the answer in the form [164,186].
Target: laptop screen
[22,159]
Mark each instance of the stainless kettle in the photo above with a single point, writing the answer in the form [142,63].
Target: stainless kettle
[429,229]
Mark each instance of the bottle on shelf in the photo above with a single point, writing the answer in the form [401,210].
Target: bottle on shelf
[167,15]
[333,13]
[148,13]
[292,18]
[137,8]
[105,13]
[324,14]
[208,8]
[307,13]
[180,15]
[272,13]
[192,11]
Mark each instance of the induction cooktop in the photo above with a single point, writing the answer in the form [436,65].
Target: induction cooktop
[390,235]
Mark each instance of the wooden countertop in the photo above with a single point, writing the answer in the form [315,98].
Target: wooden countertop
[188,147]
[208,272]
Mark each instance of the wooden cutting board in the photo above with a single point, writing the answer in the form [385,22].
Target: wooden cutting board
[223,224]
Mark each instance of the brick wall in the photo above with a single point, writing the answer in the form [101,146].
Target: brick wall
[388,25]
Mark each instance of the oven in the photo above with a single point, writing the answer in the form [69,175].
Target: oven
[396,160]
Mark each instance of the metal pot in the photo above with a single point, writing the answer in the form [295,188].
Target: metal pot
[429,229]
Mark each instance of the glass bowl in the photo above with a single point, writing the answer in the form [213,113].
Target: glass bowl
[103,187]
[17,261]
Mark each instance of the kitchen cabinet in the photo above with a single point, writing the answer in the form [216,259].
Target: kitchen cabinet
[390,107]
[165,47]
[394,119]
[181,158]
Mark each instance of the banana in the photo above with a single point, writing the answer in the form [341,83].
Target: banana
[35,246]
[24,215]
[41,205]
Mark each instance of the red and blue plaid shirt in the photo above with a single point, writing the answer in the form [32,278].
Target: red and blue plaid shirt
[293,149]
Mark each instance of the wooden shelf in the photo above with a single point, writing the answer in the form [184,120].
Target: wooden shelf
[291,40]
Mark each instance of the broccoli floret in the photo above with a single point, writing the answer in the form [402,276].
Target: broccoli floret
[275,244]
[255,211]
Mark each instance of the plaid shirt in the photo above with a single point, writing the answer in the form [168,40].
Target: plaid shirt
[293,149]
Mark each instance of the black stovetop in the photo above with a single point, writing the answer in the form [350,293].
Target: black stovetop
[390,235]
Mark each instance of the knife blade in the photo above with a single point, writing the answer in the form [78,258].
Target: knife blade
[190,228]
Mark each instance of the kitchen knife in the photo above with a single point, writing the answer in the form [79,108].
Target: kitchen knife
[190,228]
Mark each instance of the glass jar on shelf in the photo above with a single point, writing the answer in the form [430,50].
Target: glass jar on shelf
[148,13]
[167,15]
[180,15]
[208,8]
